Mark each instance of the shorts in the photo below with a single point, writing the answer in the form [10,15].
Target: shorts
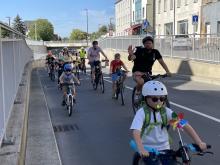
[93,64]
[115,76]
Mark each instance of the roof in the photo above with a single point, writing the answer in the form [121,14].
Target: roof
[117,1]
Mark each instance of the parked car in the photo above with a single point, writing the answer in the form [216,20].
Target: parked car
[182,42]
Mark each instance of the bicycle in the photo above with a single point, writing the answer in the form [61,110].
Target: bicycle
[138,102]
[52,71]
[76,69]
[69,99]
[99,80]
[120,86]
[83,65]
[157,157]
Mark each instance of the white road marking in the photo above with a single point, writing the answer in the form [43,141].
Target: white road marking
[183,107]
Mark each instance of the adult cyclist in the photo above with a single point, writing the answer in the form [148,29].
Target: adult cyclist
[94,57]
[82,54]
[144,58]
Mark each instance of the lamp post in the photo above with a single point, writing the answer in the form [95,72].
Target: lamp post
[87,26]
[9,21]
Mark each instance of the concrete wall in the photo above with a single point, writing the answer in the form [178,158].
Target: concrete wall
[195,70]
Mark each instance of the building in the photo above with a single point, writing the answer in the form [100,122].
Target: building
[142,17]
[122,17]
[175,17]
[210,22]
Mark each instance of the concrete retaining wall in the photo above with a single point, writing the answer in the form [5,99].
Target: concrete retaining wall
[195,70]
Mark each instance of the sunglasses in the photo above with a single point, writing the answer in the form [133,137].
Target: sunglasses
[156,99]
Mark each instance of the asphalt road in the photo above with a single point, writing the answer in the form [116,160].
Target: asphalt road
[98,132]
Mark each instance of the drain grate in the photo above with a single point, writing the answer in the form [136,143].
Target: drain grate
[65,128]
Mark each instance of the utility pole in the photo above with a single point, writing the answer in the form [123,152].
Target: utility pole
[174,17]
[9,21]
[154,18]
[35,29]
[87,27]
[110,26]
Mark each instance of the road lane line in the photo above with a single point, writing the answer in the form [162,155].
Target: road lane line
[183,107]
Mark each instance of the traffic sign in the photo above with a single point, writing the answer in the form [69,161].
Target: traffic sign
[195,19]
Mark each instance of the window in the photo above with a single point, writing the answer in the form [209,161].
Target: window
[165,5]
[178,3]
[171,4]
[137,10]
[133,16]
[218,28]
[168,28]
[186,2]
[182,27]
[143,13]
[159,3]
[207,28]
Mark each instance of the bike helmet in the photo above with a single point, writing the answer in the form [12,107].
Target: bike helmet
[68,67]
[65,49]
[148,38]
[154,88]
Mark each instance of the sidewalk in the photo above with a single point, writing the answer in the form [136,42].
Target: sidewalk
[41,143]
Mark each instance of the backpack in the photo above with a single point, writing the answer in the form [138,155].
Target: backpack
[151,125]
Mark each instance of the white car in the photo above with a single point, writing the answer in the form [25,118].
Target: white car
[182,42]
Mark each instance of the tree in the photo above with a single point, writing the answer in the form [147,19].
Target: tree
[77,34]
[44,30]
[103,30]
[18,25]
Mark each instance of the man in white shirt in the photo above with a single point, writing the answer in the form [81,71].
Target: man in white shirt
[94,57]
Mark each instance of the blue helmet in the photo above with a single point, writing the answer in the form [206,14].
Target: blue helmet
[68,67]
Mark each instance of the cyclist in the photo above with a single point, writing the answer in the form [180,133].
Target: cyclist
[68,77]
[94,57]
[155,134]
[60,63]
[82,54]
[115,71]
[144,58]
[50,61]
[67,57]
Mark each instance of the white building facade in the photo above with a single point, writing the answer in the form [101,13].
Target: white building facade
[211,17]
[175,17]
[142,13]
[122,17]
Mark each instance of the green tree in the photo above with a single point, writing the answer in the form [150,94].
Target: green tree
[103,30]
[44,30]
[18,25]
[77,34]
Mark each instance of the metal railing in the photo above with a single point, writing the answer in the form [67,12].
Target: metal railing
[14,55]
[192,47]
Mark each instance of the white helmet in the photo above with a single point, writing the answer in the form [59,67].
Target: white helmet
[154,88]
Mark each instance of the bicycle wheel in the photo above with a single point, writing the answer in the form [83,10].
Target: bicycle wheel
[102,83]
[70,106]
[122,94]
[53,76]
[136,102]
[117,90]
[95,82]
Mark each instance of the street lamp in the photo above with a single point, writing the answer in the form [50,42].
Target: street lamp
[9,21]
[87,26]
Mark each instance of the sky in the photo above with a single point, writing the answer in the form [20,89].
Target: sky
[65,15]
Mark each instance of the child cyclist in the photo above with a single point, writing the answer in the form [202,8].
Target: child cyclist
[68,77]
[115,72]
[154,134]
